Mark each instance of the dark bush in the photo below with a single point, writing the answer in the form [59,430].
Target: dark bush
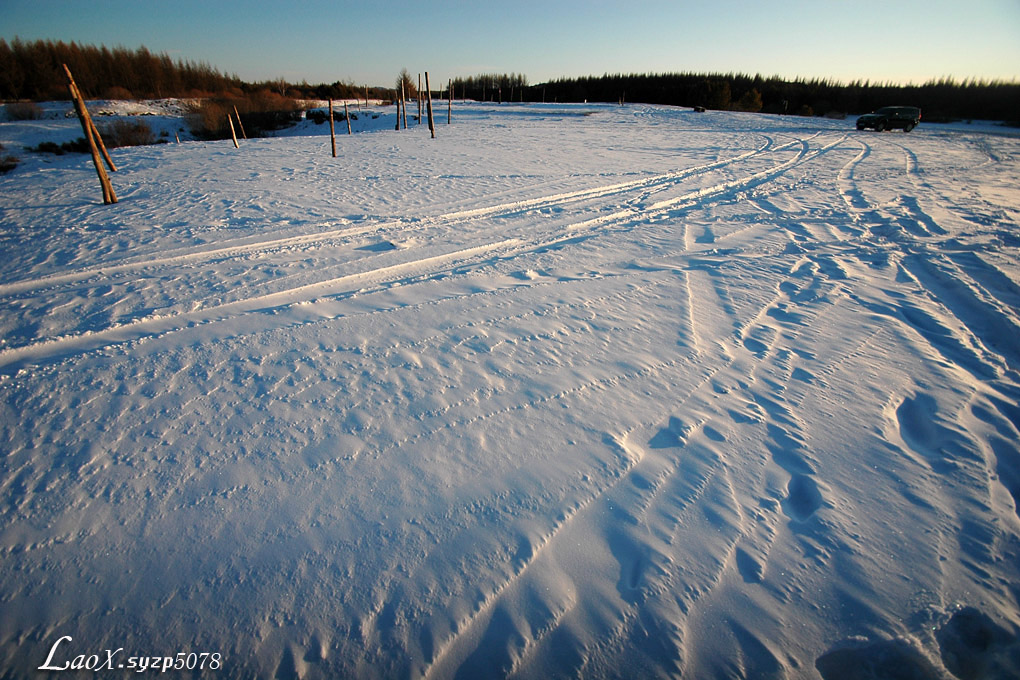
[320,116]
[7,161]
[317,116]
[23,111]
[79,145]
[127,133]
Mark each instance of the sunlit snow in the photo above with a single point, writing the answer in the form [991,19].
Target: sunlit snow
[568,391]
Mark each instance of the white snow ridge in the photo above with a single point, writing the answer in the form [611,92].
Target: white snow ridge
[643,393]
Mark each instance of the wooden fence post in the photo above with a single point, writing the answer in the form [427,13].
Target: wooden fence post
[239,123]
[348,117]
[232,133]
[419,99]
[88,127]
[332,133]
[403,103]
[428,93]
[449,103]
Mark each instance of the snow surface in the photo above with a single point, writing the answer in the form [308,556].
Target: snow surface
[568,391]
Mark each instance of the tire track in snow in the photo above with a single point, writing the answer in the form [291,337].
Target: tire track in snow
[445,219]
[699,196]
[662,485]
[963,321]
[187,257]
[161,325]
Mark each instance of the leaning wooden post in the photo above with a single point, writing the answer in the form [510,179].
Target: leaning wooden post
[403,104]
[99,137]
[76,95]
[88,127]
[232,133]
[332,132]
[428,93]
[348,117]
[239,123]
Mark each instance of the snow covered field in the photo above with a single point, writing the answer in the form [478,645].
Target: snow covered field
[569,391]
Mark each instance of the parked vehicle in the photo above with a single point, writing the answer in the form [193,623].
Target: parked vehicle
[905,118]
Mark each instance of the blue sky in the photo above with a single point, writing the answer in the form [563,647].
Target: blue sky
[368,42]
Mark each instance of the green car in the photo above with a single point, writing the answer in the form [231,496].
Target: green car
[905,118]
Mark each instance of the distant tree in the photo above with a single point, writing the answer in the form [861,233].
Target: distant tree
[718,94]
[410,89]
[750,101]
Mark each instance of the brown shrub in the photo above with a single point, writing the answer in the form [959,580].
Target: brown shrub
[23,111]
[261,112]
[7,161]
[127,133]
[118,92]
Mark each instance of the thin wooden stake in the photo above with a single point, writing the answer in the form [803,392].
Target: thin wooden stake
[419,99]
[109,196]
[232,133]
[449,103]
[239,123]
[428,92]
[348,117]
[332,132]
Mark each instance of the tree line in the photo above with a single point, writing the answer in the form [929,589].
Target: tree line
[493,87]
[33,71]
[942,99]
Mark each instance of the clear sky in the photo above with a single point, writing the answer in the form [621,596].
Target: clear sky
[369,41]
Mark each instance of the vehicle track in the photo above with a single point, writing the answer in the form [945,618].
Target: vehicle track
[446,219]
[413,270]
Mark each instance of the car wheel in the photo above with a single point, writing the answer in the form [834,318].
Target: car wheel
[908,127]
[860,127]
[880,126]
